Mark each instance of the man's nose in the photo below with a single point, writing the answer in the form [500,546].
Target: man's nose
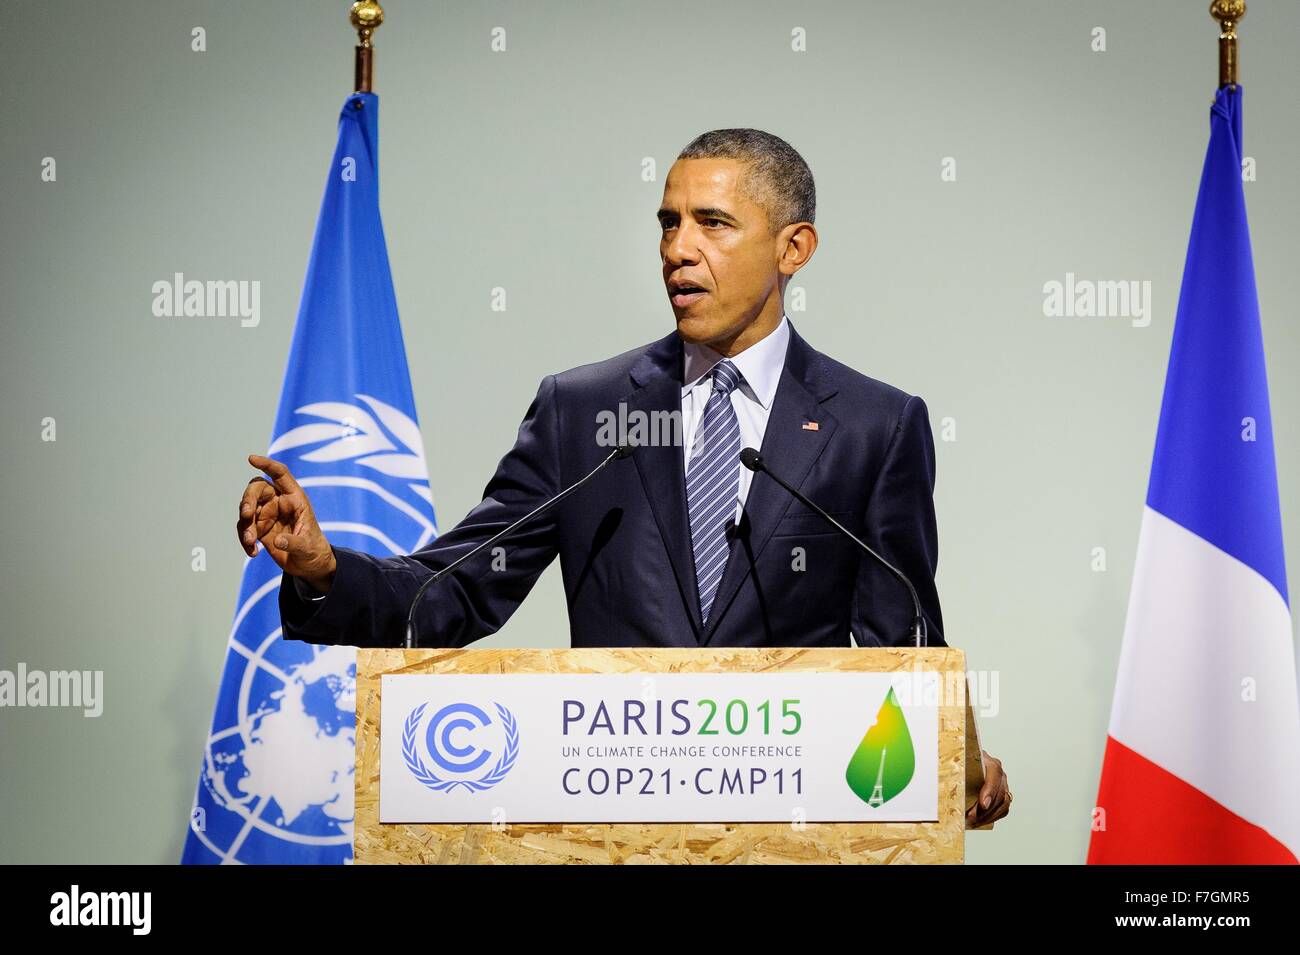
[683,248]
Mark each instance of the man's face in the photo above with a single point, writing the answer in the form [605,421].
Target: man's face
[715,240]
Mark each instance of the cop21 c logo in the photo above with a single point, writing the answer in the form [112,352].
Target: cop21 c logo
[451,757]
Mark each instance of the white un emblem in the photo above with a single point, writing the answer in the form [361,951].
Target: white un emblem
[278,774]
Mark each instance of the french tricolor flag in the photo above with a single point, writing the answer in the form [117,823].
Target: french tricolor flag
[1202,761]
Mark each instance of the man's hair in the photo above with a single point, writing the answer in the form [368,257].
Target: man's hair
[778,179]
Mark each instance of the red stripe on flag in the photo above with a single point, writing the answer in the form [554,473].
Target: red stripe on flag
[1153,817]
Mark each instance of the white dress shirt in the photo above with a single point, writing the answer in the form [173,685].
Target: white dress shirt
[760,368]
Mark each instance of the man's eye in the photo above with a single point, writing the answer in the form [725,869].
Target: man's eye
[718,221]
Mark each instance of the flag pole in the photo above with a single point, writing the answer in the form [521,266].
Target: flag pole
[366,16]
[1228,13]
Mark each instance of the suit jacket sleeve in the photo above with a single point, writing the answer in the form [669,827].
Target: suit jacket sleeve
[367,603]
[900,527]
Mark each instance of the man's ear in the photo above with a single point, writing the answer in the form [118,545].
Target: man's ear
[798,243]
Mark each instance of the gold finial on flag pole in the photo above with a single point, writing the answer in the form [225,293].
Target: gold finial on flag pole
[1228,13]
[366,15]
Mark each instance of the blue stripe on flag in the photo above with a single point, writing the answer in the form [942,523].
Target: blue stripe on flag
[1205,474]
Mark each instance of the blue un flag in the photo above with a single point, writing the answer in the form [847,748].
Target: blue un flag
[276,783]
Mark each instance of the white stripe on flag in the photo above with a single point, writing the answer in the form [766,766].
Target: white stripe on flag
[1201,623]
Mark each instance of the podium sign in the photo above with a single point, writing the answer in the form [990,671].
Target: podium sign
[589,755]
[786,747]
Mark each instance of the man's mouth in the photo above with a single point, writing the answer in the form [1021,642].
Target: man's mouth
[683,296]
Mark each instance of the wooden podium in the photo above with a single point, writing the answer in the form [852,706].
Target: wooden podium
[960,771]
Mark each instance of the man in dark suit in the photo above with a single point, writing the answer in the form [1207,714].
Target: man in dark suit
[680,545]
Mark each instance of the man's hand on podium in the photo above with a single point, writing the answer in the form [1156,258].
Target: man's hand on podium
[995,797]
[278,513]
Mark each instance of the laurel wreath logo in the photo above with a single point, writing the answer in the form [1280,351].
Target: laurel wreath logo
[415,764]
[360,436]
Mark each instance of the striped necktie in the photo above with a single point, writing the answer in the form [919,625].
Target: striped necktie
[713,483]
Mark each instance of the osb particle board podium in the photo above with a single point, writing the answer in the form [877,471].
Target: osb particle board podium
[696,843]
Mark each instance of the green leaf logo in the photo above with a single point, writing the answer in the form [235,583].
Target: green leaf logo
[884,761]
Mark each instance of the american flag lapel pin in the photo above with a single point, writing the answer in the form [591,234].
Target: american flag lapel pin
[810,425]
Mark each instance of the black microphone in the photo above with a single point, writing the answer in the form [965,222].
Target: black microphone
[754,461]
[618,454]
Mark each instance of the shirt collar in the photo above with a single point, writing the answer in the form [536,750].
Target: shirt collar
[760,364]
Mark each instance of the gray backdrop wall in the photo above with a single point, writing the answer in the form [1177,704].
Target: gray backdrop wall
[522,169]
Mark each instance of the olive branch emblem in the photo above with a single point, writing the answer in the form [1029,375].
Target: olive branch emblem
[382,438]
[411,756]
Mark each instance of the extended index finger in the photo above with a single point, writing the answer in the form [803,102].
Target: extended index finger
[279,474]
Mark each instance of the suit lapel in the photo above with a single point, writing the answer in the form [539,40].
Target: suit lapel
[659,379]
[790,450]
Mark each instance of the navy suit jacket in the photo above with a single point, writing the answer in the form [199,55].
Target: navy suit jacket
[624,539]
